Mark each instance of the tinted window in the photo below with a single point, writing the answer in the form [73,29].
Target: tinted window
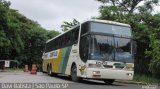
[111,29]
[84,47]
[84,28]
[102,47]
[123,49]
[64,40]
[110,48]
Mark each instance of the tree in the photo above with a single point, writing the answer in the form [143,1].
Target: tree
[154,51]
[130,6]
[68,25]
[21,38]
[51,34]
[5,43]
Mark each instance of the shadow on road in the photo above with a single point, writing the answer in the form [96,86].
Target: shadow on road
[87,81]
[98,82]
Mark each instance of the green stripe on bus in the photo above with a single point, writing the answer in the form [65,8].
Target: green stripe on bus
[66,58]
[62,59]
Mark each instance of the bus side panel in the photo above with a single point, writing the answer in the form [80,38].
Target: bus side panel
[45,63]
[73,58]
[65,58]
[63,62]
[56,62]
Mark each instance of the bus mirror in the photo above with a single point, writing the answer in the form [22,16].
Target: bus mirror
[134,47]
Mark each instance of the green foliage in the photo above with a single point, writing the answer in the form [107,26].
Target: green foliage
[20,38]
[68,25]
[146,79]
[52,34]
[145,26]
[154,65]
[129,6]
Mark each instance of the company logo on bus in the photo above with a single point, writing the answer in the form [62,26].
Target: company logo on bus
[54,53]
[101,63]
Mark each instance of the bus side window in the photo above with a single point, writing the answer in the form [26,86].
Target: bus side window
[74,35]
[84,48]
[85,28]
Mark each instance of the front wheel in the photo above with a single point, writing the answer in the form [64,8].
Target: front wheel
[109,81]
[74,76]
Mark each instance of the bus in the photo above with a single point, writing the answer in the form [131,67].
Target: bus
[95,49]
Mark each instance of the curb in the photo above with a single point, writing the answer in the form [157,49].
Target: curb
[134,82]
[129,82]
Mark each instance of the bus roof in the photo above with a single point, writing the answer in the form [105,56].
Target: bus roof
[92,20]
[109,22]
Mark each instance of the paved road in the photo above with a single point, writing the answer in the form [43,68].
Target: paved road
[41,78]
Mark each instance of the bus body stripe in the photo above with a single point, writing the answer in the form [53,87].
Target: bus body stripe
[56,62]
[62,59]
[66,58]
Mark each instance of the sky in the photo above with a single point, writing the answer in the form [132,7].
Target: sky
[50,14]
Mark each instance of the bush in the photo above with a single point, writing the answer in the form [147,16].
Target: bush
[154,65]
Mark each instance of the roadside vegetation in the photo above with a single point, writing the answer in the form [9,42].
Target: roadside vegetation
[146,79]
[21,38]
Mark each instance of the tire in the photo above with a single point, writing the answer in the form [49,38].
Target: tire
[43,71]
[109,81]
[74,76]
[49,70]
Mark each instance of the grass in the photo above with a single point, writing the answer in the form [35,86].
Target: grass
[146,79]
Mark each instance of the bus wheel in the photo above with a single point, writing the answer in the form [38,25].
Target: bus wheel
[49,70]
[74,76]
[109,81]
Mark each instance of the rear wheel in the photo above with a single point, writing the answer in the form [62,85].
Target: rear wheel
[49,70]
[109,81]
[43,71]
[74,76]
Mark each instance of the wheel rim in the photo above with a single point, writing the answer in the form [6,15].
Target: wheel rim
[50,71]
[74,73]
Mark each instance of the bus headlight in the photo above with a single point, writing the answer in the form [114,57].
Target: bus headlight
[96,74]
[129,74]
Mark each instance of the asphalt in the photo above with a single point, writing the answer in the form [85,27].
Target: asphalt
[43,81]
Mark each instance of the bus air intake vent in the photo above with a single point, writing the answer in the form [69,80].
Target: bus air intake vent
[119,65]
[108,66]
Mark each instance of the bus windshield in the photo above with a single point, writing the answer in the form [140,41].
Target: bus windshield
[109,48]
[110,29]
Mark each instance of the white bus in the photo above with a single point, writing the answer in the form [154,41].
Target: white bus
[95,49]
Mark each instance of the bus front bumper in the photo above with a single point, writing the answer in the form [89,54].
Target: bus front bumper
[96,73]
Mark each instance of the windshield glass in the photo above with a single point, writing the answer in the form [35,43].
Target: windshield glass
[109,48]
[111,29]
[123,50]
[102,47]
